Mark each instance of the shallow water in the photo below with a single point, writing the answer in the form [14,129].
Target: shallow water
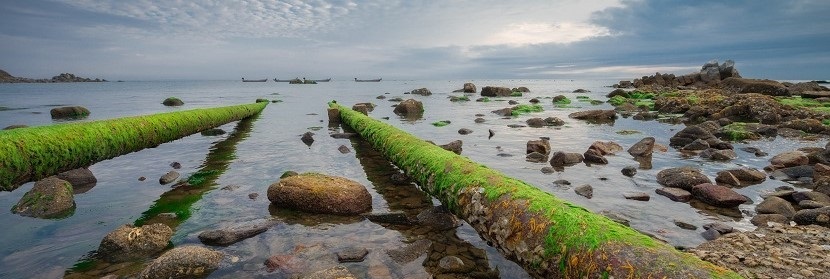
[256,152]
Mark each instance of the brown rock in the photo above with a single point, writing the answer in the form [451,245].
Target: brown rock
[597,115]
[675,194]
[763,219]
[790,159]
[592,156]
[637,196]
[717,195]
[541,146]
[682,177]
[183,262]
[128,243]
[560,159]
[776,205]
[454,146]
[49,198]
[318,193]
[605,148]
[642,148]
[765,86]
[491,91]
[409,107]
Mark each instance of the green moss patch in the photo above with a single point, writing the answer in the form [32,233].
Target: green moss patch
[441,123]
[807,103]
[737,131]
[515,94]
[525,109]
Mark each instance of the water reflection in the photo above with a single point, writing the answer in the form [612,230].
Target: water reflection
[174,206]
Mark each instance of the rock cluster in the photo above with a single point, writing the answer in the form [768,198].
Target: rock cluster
[5,77]
[710,75]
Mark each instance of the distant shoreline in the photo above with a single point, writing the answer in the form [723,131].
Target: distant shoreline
[5,77]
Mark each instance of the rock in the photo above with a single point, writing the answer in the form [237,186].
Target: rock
[643,148]
[231,235]
[410,107]
[812,126]
[73,112]
[681,177]
[754,150]
[128,243]
[288,173]
[513,102]
[765,86]
[592,156]
[504,111]
[536,122]
[452,264]
[343,135]
[212,132]
[560,159]
[580,90]
[775,205]
[319,193]
[438,218]
[352,255]
[790,159]
[394,218]
[168,177]
[605,148]
[690,134]
[172,102]
[822,185]
[717,195]
[307,138]
[808,204]
[253,196]
[534,101]
[421,91]
[741,176]
[285,264]
[718,155]
[675,194]
[793,173]
[469,88]
[343,149]
[464,131]
[811,195]
[820,171]
[720,227]
[763,219]
[521,89]
[554,121]
[334,115]
[541,146]
[684,225]
[547,170]
[454,146]
[562,182]
[490,91]
[79,177]
[536,157]
[479,120]
[492,133]
[335,272]
[637,196]
[710,234]
[818,216]
[188,261]
[410,252]
[618,92]
[629,171]
[595,115]
[176,165]
[585,191]
[616,217]
[49,198]
[11,127]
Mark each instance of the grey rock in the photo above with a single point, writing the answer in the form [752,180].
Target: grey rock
[421,91]
[464,131]
[560,159]
[776,205]
[643,148]
[49,198]
[454,146]
[710,234]
[183,262]
[78,177]
[637,196]
[818,216]
[592,156]
[491,91]
[585,191]
[541,146]
[684,225]
[554,121]
[352,254]
[410,252]
[169,177]
[307,138]
[343,149]
[127,243]
[763,219]
[172,102]
[231,235]
[439,218]
[629,171]
[720,227]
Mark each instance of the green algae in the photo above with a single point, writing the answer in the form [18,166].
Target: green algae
[484,100]
[462,98]
[563,101]
[737,131]
[569,231]
[807,103]
[525,109]
[515,94]
[34,153]
[441,123]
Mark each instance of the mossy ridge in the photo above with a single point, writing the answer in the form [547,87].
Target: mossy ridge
[572,231]
[811,104]
[37,152]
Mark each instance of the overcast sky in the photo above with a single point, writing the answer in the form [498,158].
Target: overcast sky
[410,39]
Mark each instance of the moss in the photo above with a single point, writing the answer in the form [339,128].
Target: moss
[515,94]
[525,109]
[485,99]
[737,131]
[693,99]
[647,103]
[441,123]
[569,230]
[462,98]
[563,101]
[617,100]
[640,95]
[811,104]
[37,152]
[826,122]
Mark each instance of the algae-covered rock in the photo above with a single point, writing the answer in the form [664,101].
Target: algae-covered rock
[49,198]
[319,193]
[72,112]
[172,102]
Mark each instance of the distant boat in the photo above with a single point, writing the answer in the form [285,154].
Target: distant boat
[282,80]
[367,80]
[254,80]
[321,80]
[314,80]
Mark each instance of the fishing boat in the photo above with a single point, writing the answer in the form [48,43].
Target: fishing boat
[314,80]
[321,80]
[282,80]
[367,80]
[254,80]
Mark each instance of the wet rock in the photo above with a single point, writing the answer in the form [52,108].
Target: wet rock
[710,234]
[765,86]
[754,150]
[334,114]
[491,91]
[720,227]
[421,91]
[540,146]
[775,205]
[793,173]
[410,107]
[718,154]
[284,264]
[72,112]
[812,126]
[183,262]
[818,216]
[811,195]
[763,219]
[605,148]
[808,204]
[643,148]
[479,120]
[536,157]
[79,178]
[127,243]
[618,92]
[439,218]
[213,132]
[400,179]
[585,191]
[560,159]
[307,138]
[637,196]
[231,235]
[176,165]
[681,177]
[343,149]
[629,171]
[741,176]
[513,102]
[717,195]
[253,196]
[410,252]
[595,115]
[454,146]
[464,131]
[536,122]
[352,254]
[822,185]
[172,102]
[684,225]
[491,133]
[49,198]
[288,173]
[547,170]
[469,88]
[820,170]
[592,156]
[169,177]
[393,218]
[453,264]
[338,272]
[562,182]
[534,101]
[504,112]
[516,126]
[343,135]
[554,121]
[790,159]
[521,89]
[689,135]
[675,194]
[319,193]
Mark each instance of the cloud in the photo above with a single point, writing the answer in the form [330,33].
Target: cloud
[520,34]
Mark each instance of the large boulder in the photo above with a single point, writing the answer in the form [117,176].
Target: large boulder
[790,159]
[762,86]
[642,148]
[740,177]
[541,146]
[184,262]
[409,107]
[605,148]
[49,198]
[80,177]
[172,102]
[560,159]
[469,88]
[492,91]
[319,193]
[775,205]
[818,216]
[127,243]
[421,91]
[717,195]
[71,112]
[682,177]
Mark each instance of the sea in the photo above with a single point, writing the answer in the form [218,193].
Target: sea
[254,153]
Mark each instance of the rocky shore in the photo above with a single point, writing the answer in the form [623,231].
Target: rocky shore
[5,77]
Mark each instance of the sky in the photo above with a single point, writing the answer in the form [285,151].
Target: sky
[412,39]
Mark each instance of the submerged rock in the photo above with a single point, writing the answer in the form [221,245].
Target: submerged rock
[717,195]
[319,193]
[127,243]
[231,235]
[172,102]
[51,197]
[183,262]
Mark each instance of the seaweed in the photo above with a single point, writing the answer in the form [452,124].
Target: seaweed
[525,109]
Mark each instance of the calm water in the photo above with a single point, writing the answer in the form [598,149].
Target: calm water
[256,152]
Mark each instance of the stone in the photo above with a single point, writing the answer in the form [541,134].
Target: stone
[307,138]
[790,159]
[128,243]
[718,154]
[343,135]
[394,218]
[681,177]
[168,177]
[605,148]
[234,234]
[504,112]
[643,148]
[536,157]
[710,234]
[811,195]
[554,121]
[820,170]
[410,107]
[536,122]
[319,193]
[684,225]
[188,261]
[479,120]
[491,91]
[521,89]
[724,177]
[410,252]
[675,194]
[775,205]
[720,227]
[560,159]
[637,196]
[595,115]
[696,145]
[585,191]
[71,112]
[763,219]
[469,88]
[762,86]
[689,135]
[452,264]
[618,92]
[513,102]
[438,218]
[817,216]
[793,173]
[464,131]
[592,156]
[754,150]
[717,195]
[334,115]
[629,171]
[79,177]
[49,198]
[172,102]
[453,146]
[743,176]
[335,272]
[540,146]
[212,132]
[809,204]
[343,149]
[176,165]
[352,254]
[421,91]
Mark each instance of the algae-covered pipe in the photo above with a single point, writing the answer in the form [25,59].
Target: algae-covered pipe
[549,237]
[33,153]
